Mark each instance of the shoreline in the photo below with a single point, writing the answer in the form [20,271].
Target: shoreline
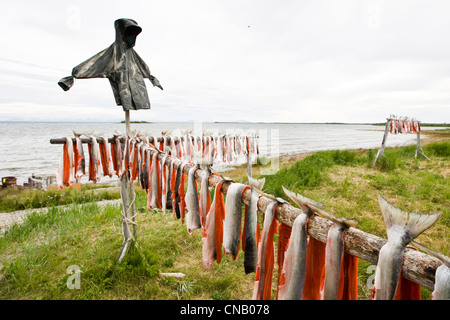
[288,159]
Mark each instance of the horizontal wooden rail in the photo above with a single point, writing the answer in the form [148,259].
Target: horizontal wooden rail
[110,140]
[417,266]
[122,139]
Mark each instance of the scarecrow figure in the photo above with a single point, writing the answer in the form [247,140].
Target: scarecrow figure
[122,66]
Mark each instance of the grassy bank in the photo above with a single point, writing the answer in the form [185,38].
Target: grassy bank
[13,199]
[348,185]
[35,256]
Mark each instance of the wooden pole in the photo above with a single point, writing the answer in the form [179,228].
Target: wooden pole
[383,143]
[419,149]
[112,140]
[127,121]
[130,182]
[128,196]
[249,159]
[125,209]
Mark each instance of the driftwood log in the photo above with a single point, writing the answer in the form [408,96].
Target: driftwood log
[110,140]
[122,139]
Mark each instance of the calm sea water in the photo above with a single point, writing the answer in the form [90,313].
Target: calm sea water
[25,148]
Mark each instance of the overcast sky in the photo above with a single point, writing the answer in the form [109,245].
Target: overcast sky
[252,60]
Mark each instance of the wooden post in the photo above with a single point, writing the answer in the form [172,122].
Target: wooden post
[128,197]
[383,143]
[125,209]
[419,149]
[132,206]
[127,121]
[249,166]
[249,158]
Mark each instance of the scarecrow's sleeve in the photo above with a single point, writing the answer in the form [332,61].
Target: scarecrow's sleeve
[145,71]
[98,66]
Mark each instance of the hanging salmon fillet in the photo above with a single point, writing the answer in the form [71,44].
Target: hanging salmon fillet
[315,262]
[181,192]
[94,160]
[114,157]
[334,256]
[402,227]
[219,212]
[266,256]
[284,233]
[164,171]
[293,270]
[251,233]
[141,162]
[407,290]
[193,220]
[169,175]
[441,289]
[149,180]
[153,181]
[233,219]
[105,156]
[63,173]
[174,183]
[79,162]
[215,215]
[205,197]
[126,156]
[348,286]
[158,181]
[119,158]
[133,160]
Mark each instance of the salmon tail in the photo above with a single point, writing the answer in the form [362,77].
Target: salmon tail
[415,223]
[310,206]
[256,183]
[301,200]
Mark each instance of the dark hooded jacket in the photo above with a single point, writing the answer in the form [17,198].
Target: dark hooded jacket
[122,66]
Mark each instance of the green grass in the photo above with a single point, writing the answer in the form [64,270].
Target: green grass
[35,255]
[311,172]
[348,185]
